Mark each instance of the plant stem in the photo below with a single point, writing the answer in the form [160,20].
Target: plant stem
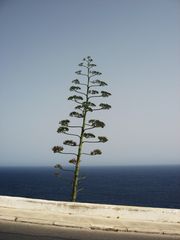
[77,167]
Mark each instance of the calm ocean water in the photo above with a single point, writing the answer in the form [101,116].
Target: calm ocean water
[155,186]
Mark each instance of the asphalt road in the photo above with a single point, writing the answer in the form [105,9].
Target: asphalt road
[24,231]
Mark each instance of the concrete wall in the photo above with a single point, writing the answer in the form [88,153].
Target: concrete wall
[108,215]
[100,210]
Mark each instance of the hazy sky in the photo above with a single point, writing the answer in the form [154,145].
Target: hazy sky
[136,45]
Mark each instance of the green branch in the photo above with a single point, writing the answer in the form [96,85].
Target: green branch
[59,149]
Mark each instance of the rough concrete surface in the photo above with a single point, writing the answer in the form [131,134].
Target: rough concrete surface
[91,216]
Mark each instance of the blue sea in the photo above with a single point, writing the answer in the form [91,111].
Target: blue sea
[152,186]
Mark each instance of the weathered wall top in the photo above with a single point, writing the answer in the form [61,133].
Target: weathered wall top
[100,210]
[93,216]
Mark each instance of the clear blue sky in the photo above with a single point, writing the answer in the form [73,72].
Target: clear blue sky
[136,45]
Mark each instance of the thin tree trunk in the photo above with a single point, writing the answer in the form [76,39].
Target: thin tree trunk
[77,168]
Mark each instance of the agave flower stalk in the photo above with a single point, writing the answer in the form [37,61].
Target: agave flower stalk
[87,88]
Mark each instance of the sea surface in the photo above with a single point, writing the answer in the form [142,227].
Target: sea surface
[152,186]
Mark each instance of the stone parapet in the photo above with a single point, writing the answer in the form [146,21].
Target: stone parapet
[92,216]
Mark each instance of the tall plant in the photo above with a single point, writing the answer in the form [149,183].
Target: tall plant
[86,90]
